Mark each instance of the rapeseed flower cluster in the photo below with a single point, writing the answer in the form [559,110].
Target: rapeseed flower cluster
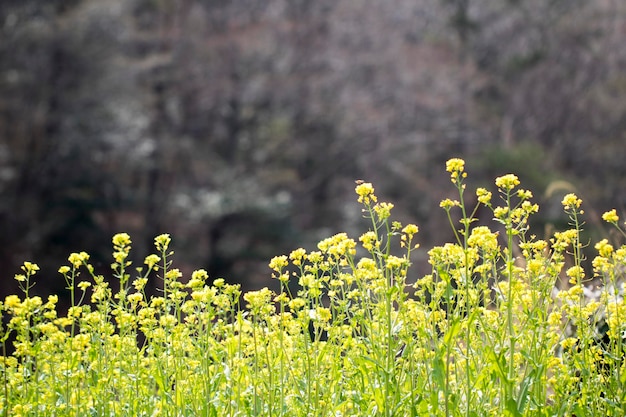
[507,182]
[348,331]
[455,167]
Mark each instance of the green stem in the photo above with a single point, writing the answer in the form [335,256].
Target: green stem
[509,307]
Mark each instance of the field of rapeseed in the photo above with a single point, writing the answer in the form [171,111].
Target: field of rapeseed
[486,333]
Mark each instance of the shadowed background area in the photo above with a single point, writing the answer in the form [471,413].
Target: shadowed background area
[239,126]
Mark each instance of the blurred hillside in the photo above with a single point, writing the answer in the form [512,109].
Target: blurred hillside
[239,126]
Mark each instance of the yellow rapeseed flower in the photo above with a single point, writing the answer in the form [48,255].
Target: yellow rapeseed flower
[529,208]
[120,256]
[447,204]
[365,191]
[278,263]
[200,275]
[383,210]
[369,240]
[316,257]
[501,212]
[296,256]
[484,196]
[575,273]
[297,303]
[482,237]
[507,182]
[151,260]
[168,321]
[12,301]
[77,259]
[410,230]
[555,318]
[74,312]
[30,268]
[337,245]
[610,216]
[571,201]
[173,274]
[561,240]
[162,242]
[604,248]
[367,264]
[135,298]
[525,194]
[259,301]
[568,343]
[121,240]
[323,314]
[601,264]
[455,165]
[52,300]
[140,283]
[393,262]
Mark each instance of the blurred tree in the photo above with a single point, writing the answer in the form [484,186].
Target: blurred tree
[239,126]
[52,131]
[551,75]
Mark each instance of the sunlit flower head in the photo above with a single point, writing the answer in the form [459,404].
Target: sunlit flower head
[383,210]
[162,242]
[525,194]
[610,216]
[604,248]
[120,256]
[322,314]
[575,273]
[258,300]
[198,278]
[173,274]
[12,301]
[484,196]
[501,212]
[140,283]
[278,263]
[365,191]
[507,182]
[410,229]
[200,274]
[77,259]
[135,298]
[370,240]
[393,262]
[296,256]
[447,204]
[483,238]
[152,260]
[455,165]
[30,268]
[121,240]
[571,201]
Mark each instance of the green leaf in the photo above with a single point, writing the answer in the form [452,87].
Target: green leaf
[511,407]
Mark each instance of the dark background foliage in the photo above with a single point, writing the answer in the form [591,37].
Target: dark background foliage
[240,126]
